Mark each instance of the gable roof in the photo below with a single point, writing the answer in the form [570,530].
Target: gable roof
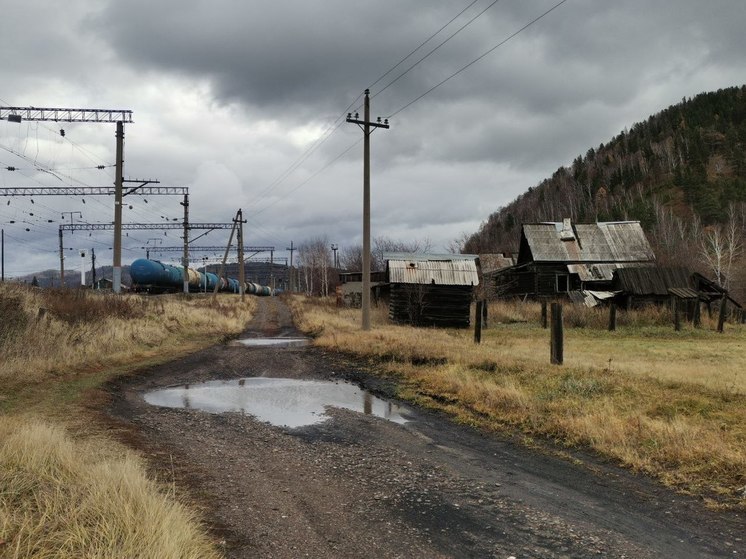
[617,241]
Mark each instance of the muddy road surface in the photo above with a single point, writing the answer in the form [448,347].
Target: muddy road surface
[403,483]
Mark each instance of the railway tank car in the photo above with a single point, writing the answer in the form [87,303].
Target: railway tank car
[153,276]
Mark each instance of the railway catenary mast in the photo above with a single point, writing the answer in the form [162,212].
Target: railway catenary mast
[118,116]
[141,190]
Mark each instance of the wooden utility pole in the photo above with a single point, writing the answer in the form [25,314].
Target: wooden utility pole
[2,254]
[366,126]
[557,341]
[478,323]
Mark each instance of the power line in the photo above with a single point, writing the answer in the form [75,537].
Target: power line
[422,44]
[451,36]
[329,164]
[334,126]
[480,57]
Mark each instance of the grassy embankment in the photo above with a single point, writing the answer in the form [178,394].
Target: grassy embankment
[670,404]
[66,489]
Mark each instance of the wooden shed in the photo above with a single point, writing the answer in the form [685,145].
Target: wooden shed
[431,289]
[555,259]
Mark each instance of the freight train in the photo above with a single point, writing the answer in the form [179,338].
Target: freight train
[153,276]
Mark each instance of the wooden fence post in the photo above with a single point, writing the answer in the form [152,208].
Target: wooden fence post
[723,312]
[478,323]
[612,317]
[543,314]
[557,335]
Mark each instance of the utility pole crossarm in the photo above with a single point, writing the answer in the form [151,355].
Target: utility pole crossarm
[18,114]
[377,124]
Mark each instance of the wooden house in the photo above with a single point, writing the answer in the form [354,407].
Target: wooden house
[565,259]
[431,289]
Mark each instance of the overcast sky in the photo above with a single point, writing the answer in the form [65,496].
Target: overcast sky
[228,96]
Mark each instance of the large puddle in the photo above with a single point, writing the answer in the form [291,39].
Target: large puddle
[279,401]
[273,342]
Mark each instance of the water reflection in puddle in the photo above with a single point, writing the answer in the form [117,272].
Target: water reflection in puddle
[279,401]
[281,342]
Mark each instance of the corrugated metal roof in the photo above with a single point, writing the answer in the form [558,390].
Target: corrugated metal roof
[594,242]
[427,256]
[457,271]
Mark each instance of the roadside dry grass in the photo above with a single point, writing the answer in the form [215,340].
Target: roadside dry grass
[670,404]
[66,489]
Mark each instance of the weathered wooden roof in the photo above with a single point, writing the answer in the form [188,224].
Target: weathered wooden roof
[620,241]
[651,280]
[493,262]
[432,269]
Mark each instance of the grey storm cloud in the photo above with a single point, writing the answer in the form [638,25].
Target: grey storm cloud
[228,95]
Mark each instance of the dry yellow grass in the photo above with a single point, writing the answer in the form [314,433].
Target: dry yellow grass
[637,395]
[89,496]
[66,499]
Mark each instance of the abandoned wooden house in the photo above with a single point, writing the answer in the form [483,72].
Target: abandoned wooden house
[573,260]
[636,287]
[431,289]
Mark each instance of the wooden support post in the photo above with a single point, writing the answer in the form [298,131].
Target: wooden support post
[697,321]
[557,335]
[543,314]
[676,313]
[612,317]
[723,313]
[478,323]
[484,314]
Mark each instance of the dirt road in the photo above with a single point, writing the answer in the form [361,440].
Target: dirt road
[360,486]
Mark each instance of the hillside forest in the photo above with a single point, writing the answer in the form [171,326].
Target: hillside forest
[681,173]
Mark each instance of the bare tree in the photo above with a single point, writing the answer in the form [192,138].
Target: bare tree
[456,246]
[314,257]
[721,246]
[351,258]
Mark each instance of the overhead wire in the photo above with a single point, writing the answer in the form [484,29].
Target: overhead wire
[338,122]
[477,59]
[437,47]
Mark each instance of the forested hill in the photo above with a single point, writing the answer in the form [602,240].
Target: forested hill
[684,167]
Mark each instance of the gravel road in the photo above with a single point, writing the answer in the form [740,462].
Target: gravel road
[356,485]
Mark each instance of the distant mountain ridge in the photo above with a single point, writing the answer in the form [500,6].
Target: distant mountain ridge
[685,161]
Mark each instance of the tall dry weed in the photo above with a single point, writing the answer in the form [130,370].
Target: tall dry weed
[55,332]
